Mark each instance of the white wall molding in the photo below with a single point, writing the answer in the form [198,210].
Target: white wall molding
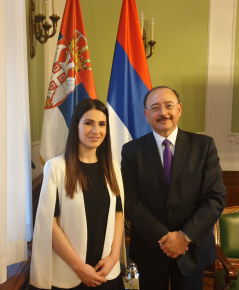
[219,93]
[234,138]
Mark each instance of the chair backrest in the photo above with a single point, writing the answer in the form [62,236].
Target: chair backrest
[226,233]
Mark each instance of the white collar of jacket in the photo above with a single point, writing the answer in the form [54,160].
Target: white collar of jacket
[47,268]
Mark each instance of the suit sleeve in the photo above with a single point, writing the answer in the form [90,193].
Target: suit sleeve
[143,221]
[211,201]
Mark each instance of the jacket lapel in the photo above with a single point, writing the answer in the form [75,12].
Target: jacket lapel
[151,151]
[181,149]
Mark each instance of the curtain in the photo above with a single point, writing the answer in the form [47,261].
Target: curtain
[15,160]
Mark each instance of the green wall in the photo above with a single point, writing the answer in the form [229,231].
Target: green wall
[101,24]
[36,93]
[179,59]
[235,104]
[180,56]
[36,79]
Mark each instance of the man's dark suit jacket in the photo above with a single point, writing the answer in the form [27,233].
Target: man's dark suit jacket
[191,203]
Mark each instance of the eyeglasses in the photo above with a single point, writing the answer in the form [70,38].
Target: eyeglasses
[157,108]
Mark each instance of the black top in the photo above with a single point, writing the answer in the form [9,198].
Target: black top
[97,201]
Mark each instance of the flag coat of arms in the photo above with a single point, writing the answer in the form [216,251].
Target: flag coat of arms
[129,81]
[71,81]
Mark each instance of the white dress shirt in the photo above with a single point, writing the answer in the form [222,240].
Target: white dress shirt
[159,140]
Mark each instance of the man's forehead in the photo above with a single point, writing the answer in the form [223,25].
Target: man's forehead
[162,95]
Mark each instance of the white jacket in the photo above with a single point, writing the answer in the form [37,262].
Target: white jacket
[47,268]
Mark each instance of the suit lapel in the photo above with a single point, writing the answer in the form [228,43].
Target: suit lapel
[151,151]
[181,149]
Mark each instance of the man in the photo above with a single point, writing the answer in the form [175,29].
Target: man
[172,212]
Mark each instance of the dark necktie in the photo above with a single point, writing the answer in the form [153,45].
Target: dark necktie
[167,159]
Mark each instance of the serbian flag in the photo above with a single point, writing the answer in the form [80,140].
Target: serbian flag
[129,82]
[71,81]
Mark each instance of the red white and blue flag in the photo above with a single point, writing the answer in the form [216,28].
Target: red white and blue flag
[129,82]
[71,81]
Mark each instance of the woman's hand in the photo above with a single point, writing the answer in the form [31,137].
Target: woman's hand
[89,276]
[63,248]
[105,265]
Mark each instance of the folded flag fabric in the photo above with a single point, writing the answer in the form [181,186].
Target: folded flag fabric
[71,81]
[129,81]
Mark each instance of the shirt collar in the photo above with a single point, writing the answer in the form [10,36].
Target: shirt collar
[172,137]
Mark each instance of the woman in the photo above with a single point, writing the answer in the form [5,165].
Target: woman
[79,222]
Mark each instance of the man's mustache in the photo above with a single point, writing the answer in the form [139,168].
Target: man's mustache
[163,119]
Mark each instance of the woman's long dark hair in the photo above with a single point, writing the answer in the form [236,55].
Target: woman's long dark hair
[74,172]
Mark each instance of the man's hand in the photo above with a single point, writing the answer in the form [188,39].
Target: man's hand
[173,244]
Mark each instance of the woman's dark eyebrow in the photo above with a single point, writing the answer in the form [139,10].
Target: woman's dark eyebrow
[90,120]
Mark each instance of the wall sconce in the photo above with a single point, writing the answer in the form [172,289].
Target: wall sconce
[38,28]
[151,42]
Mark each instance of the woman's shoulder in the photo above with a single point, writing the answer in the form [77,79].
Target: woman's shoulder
[57,161]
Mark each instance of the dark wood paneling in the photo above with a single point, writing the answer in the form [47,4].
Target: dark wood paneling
[36,189]
[231,181]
